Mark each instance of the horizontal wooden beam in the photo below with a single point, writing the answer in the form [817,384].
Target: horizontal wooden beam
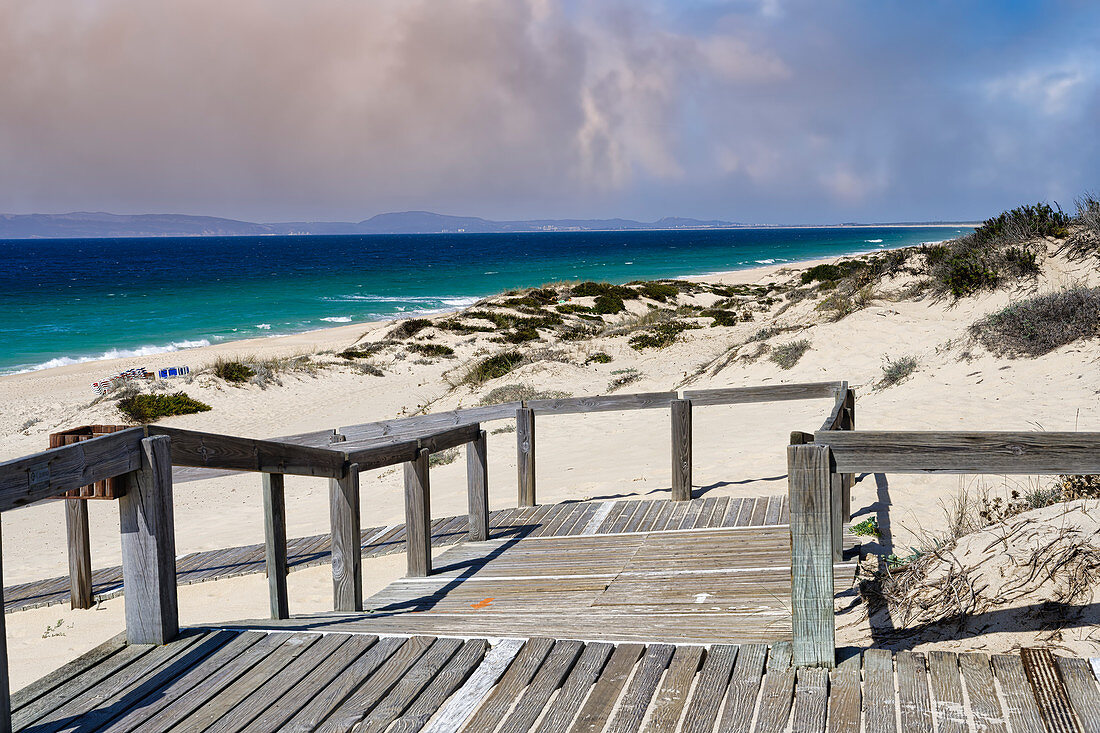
[962,452]
[209,450]
[770,393]
[380,456]
[835,419]
[43,475]
[601,403]
[417,425]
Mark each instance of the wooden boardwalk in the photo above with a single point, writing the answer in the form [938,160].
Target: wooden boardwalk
[229,680]
[565,519]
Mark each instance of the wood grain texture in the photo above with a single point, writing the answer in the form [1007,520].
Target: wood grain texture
[879,700]
[962,452]
[48,473]
[811,698]
[669,701]
[441,686]
[477,487]
[913,698]
[812,618]
[525,455]
[985,707]
[743,689]
[639,693]
[710,689]
[1082,690]
[681,450]
[78,541]
[210,450]
[601,701]
[601,403]
[413,427]
[551,675]
[275,544]
[380,456]
[347,569]
[522,668]
[1019,697]
[947,692]
[575,689]
[1051,695]
[845,699]
[452,716]
[149,547]
[771,393]
[838,415]
[418,517]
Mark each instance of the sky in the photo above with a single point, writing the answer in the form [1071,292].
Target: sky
[758,111]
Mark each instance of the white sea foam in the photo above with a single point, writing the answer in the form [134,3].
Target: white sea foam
[765,262]
[263,326]
[872,241]
[337,319]
[113,354]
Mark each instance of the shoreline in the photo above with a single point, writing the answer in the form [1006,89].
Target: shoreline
[164,355]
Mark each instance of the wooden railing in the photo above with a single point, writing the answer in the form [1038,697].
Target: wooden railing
[145,456]
[815,468]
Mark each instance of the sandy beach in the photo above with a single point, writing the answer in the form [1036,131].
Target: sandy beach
[739,450]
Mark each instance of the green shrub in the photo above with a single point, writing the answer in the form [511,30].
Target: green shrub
[362,352]
[867,528]
[787,355]
[493,367]
[896,370]
[570,308]
[598,358]
[607,304]
[233,371]
[964,275]
[721,317]
[432,350]
[370,369]
[1039,325]
[409,328]
[443,457]
[660,335]
[1023,222]
[592,290]
[145,408]
[534,298]
[518,392]
[659,291]
[520,335]
[623,377]
[579,333]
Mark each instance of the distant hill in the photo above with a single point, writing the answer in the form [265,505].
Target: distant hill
[98,224]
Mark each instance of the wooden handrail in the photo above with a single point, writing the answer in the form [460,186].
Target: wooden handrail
[194,448]
[838,417]
[963,452]
[601,403]
[770,393]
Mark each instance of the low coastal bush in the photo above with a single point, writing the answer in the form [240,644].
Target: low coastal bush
[534,298]
[598,358]
[608,304]
[721,317]
[591,289]
[572,308]
[369,369]
[493,367]
[1085,240]
[233,371]
[432,350]
[660,336]
[518,392]
[443,457]
[362,352]
[623,377]
[659,291]
[1040,324]
[787,355]
[409,328]
[897,370]
[145,408]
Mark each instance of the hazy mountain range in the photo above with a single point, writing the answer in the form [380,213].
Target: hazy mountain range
[97,224]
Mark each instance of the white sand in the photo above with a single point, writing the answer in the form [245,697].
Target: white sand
[738,451]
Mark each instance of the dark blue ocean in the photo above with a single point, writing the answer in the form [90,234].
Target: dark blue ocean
[63,301]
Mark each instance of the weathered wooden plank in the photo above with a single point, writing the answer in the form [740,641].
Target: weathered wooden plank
[639,693]
[445,682]
[681,450]
[985,707]
[1019,700]
[549,678]
[601,403]
[453,715]
[361,669]
[451,438]
[523,667]
[49,473]
[477,486]
[878,691]
[1051,696]
[379,456]
[525,455]
[66,672]
[777,693]
[710,689]
[412,427]
[576,687]
[913,699]
[947,693]
[275,544]
[770,393]
[668,703]
[810,704]
[1083,693]
[78,542]
[347,568]
[390,707]
[601,701]
[418,514]
[743,688]
[844,699]
[962,452]
[149,547]
[837,416]
[210,450]
[812,617]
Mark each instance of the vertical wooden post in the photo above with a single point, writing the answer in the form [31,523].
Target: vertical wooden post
[347,554]
[813,622]
[418,516]
[5,689]
[149,547]
[849,479]
[525,460]
[80,553]
[477,486]
[681,450]
[275,544]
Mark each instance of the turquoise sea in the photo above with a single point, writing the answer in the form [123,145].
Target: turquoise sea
[65,301]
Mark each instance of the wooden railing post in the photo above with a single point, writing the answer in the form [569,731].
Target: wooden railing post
[812,617]
[848,479]
[275,544]
[418,516]
[347,567]
[525,459]
[5,686]
[149,547]
[80,553]
[681,450]
[477,485]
